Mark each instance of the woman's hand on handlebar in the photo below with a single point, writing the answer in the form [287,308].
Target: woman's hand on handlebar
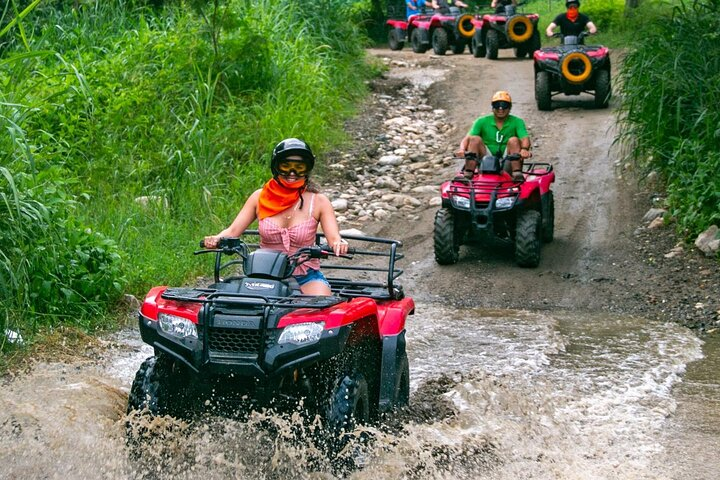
[211,241]
[340,247]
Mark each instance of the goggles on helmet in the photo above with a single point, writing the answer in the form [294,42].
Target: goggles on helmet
[501,104]
[290,167]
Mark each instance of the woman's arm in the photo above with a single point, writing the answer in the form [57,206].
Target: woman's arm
[329,225]
[244,218]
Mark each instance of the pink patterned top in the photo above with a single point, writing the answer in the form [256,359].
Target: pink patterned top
[289,240]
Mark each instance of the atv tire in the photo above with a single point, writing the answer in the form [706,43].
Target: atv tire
[548,217]
[349,406]
[395,40]
[447,245]
[543,97]
[477,45]
[159,387]
[492,43]
[602,88]
[440,43]
[416,41]
[527,239]
[459,47]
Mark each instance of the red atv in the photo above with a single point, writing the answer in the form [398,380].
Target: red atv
[443,31]
[509,29]
[493,209]
[572,68]
[254,335]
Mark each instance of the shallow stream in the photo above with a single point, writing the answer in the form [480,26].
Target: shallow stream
[495,394]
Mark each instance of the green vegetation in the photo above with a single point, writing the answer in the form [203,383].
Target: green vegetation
[131,129]
[669,116]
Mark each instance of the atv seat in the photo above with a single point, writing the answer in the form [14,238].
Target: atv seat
[232,285]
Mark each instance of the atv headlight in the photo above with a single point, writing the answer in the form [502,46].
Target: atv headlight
[177,326]
[505,202]
[302,333]
[460,202]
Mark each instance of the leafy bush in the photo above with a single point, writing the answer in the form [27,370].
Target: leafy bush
[140,126]
[50,264]
[669,115]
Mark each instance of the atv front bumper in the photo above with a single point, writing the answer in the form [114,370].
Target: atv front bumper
[231,351]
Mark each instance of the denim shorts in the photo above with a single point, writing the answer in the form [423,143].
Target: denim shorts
[311,276]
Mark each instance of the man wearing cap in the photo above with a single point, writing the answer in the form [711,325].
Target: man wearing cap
[496,134]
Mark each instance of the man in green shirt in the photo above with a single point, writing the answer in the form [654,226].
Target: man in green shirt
[497,134]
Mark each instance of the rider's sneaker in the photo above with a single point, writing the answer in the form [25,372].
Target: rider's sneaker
[471,163]
[518,176]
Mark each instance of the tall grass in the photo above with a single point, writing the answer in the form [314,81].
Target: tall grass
[670,94]
[133,132]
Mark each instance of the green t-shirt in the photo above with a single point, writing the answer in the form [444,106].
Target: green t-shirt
[496,140]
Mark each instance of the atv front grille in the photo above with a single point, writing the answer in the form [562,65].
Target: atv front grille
[234,341]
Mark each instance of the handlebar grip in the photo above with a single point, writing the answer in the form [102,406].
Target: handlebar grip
[327,248]
[202,243]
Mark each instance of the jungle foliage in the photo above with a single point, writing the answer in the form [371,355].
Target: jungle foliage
[131,129]
[669,116]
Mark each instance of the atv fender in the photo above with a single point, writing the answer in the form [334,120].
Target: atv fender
[393,353]
[391,320]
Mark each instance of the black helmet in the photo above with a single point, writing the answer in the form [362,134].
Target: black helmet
[288,147]
[570,2]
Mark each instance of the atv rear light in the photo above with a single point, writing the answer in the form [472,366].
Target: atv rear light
[302,333]
[505,202]
[460,202]
[177,326]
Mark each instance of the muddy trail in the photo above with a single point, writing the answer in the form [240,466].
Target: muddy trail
[565,371]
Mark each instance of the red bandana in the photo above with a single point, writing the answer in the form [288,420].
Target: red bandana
[277,197]
[572,14]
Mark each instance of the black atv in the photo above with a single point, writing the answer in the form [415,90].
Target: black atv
[571,69]
[253,336]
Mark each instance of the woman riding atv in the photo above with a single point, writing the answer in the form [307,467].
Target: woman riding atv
[290,210]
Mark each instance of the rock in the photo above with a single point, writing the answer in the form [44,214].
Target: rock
[435,202]
[352,231]
[131,301]
[340,204]
[425,189]
[390,160]
[675,252]
[381,214]
[656,223]
[708,242]
[654,213]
